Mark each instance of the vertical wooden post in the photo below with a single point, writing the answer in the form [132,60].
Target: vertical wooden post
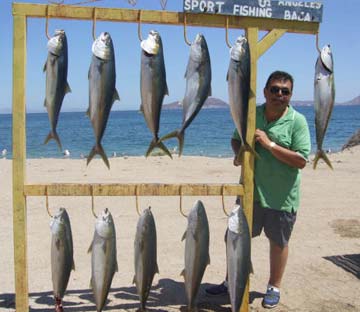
[18,163]
[248,164]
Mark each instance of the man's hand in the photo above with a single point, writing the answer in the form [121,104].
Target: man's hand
[262,138]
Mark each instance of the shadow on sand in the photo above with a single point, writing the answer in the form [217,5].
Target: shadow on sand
[350,263]
[167,293]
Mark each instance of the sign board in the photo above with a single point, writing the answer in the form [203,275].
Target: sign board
[286,10]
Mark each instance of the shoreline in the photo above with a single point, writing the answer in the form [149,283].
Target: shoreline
[175,155]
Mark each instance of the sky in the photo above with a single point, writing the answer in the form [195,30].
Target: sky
[294,53]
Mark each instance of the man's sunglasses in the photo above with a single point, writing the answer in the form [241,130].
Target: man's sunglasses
[275,90]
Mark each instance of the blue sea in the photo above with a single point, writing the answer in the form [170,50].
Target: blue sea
[128,135]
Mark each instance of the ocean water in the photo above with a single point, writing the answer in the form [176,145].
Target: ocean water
[128,135]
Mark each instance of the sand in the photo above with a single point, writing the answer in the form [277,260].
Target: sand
[324,248]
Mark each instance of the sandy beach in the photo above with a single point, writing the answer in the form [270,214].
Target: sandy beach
[324,264]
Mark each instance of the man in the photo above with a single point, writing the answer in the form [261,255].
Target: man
[283,143]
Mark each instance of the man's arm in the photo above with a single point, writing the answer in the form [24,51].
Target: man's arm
[283,154]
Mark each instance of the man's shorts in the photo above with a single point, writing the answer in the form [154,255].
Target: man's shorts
[277,224]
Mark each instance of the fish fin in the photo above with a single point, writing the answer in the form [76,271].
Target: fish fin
[195,236]
[57,244]
[156,268]
[322,154]
[162,146]
[249,148]
[45,65]
[234,243]
[184,236]
[141,245]
[151,147]
[182,273]
[103,247]
[67,88]
[175,134]
[157,143]
[243,148]
[170,135]
[53,135]
[90,248]
[116,96]
[98,149]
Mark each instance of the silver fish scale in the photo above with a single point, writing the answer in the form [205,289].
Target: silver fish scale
[196,251]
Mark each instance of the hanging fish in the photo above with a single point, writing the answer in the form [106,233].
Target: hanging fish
[197,257]
[103,258]
[56,68]
[102,91]
[198,87]
[237,256]
[324,98]
[62,261]
[153,86]
[238,78]
[145,255]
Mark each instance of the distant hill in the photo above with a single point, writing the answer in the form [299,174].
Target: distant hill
[354,101]
[214,103]
[210,103]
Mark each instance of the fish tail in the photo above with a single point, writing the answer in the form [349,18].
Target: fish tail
[53,135]
[321,154]
[243,148]
[248,147]
[175,134]
[98,149]
[157,143]
[162,146]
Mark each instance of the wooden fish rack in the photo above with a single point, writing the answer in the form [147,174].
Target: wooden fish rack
[21,188]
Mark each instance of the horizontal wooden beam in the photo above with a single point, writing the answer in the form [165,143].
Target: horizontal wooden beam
[142,189]
[160,17]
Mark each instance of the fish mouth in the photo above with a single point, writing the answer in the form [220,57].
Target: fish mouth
[238,50]
[55,43]
[151,44]
[105,38]
[199,38]
[326,58]
[101,47]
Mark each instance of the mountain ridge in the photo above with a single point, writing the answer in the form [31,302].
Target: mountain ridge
[216,103]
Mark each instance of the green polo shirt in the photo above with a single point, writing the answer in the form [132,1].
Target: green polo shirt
[277,185]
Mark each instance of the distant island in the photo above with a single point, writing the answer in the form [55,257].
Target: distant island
[215,103]
[210,103]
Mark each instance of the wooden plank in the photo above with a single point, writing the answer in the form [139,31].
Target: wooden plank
[268,40]
[18,164]
[160,17]
[305,12]
[144,189]
[248,163]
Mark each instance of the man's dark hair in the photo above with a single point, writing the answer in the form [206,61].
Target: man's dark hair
[280,75]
